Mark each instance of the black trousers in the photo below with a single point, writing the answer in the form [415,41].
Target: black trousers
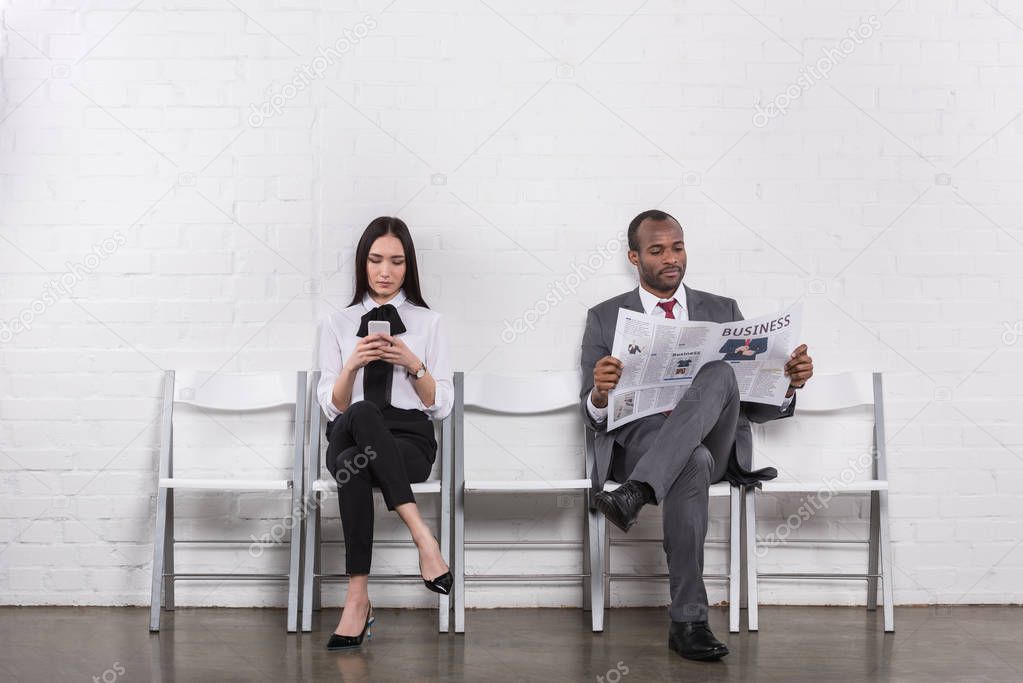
[368,446]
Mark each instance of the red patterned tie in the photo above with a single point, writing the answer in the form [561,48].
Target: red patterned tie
[669,308]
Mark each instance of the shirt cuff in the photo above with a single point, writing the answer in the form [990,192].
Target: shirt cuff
[786,403]
[598,414]
[329,410]
[434,410]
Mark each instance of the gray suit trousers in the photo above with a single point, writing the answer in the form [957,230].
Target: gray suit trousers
[680,456]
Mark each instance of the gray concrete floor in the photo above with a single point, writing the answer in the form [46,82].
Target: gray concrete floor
[794,644]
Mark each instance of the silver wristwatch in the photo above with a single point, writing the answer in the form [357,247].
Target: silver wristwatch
[420,373]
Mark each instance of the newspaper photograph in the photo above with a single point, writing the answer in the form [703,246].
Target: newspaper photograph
[660,357]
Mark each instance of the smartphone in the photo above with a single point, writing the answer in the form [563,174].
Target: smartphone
[379,327]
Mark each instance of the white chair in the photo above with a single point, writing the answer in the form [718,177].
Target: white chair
[536,394]
[826,394]
[719,490]
[315,485]
[228,392]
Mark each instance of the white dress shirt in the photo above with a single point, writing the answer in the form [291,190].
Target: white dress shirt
[650,307]
[424,336]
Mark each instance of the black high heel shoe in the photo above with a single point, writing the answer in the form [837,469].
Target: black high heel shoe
[442,584]
[340,642]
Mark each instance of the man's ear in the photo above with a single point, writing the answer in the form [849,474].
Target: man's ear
[633,257]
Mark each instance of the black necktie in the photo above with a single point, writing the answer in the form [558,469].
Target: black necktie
[378,374]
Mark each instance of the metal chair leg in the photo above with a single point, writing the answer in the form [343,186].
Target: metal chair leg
[886,564]
[295,549]
[752,597]
[596,561]
[298,511]
[734,564]
[885,530]
[604,532]
[310,566]
[318,561]
[444,601]
[873,550]
[588,569]
[457,451]
[459,559]
[168,553]
[159,553]
[743,576]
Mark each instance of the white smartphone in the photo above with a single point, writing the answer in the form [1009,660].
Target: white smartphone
[379,327]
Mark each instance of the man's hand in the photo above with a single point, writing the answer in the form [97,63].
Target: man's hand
[606,374]
[798,369]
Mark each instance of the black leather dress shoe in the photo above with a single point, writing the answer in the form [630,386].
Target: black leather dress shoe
[622,506]
[694,640]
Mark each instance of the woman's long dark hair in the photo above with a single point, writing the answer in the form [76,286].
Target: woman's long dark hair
[387,225]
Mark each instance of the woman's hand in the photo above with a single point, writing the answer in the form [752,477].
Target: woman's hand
[369,349]
[399,354]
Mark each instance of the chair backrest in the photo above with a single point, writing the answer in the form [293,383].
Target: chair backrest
[841,391]
[540,392]
[837,391]
[531,394]
[233,391]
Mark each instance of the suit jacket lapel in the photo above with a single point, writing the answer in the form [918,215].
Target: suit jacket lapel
[694,305]
[633,302]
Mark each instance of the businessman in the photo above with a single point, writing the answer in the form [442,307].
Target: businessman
[672,459]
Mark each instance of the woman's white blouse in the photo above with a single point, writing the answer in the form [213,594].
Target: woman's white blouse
[425,336]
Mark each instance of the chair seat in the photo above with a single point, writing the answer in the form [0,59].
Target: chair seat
[226,484]
[814,487]
[721,489]
[432,486]
[526,485]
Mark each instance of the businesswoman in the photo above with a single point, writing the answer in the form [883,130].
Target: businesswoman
[380,393]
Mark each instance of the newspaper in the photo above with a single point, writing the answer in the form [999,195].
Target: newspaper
[661,357]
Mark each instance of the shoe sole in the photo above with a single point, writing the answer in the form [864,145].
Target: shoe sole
[369,636]
[610,514]
[705,657]
[344,647]
[435,588]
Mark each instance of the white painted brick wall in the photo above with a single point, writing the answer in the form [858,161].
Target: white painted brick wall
[516,138]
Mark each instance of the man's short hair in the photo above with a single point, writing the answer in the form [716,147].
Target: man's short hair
[652,214]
